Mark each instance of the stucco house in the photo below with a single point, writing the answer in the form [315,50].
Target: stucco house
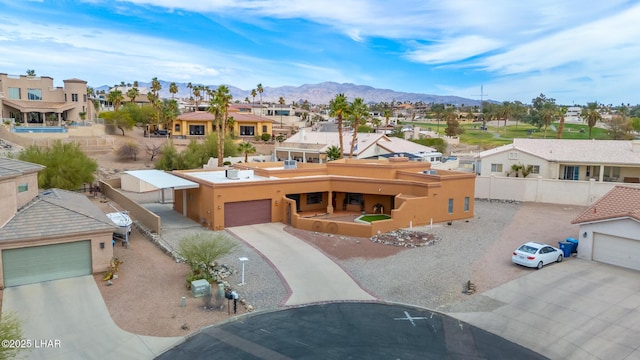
[312,146]
[600,160]
[49,235]
[310,195]
[202,123]
[610,228]
[35,101]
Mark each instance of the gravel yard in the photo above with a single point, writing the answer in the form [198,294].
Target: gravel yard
[431,276]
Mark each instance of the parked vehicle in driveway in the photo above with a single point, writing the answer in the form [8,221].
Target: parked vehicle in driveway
[533,254]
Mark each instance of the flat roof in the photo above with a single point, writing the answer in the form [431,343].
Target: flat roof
[162,180]
[219,176]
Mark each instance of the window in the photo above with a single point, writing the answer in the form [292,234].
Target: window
[247,130]
[34,94]
[353,199]
[84,98]
[466,203]
[535,169]
[14,93]
[496,167]
[23,187]
[314,198]
[513,155]
[74,97]
[264,128]
[177,127]
[451,206]
[571,173]
[196,129]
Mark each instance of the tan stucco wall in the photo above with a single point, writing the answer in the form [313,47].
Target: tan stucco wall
[11,199]
[100,258]
[419,198]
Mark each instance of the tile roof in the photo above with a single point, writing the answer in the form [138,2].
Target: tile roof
[39,105]
[619,202]
[237,116]
[576,151]
[56,212]
[196,115]
[12,167]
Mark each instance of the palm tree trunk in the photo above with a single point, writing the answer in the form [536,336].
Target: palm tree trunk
[561,127]
[354,140]
[340,136]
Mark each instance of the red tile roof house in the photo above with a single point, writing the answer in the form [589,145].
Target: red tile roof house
[610,228]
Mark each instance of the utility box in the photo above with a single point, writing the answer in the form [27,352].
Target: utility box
[200,288]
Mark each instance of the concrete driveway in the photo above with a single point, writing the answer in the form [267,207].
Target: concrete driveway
[301,265]
[71,316]
[577,309]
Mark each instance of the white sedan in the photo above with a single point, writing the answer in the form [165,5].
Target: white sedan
[533,254]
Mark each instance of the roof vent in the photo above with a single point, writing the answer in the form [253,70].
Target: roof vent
[290,164]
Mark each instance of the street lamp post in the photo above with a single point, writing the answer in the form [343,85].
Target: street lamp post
[243,260]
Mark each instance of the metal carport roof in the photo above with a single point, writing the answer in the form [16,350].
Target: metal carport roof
[162,180]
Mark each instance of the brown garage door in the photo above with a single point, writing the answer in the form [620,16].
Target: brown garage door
[247,213]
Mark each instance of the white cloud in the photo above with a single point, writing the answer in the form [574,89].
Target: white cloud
[452,50]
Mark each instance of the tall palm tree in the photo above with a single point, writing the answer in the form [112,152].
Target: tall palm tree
[592,115]
[281,102]
[359,111]
[254,93]
[173,89]
[561,112]
[260,90]
[246,148]
[548,114]
[220,103]
[438,110]
[196,94]
[190,87]
[339,108]
[387,114]
[376,122]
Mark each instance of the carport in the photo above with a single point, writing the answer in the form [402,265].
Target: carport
[149,180]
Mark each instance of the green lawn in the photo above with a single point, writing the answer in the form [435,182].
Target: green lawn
[497,135]
[374,217]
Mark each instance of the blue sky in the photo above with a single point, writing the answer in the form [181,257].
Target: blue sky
[573,51]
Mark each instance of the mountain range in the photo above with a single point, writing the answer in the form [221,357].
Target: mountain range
[320,93]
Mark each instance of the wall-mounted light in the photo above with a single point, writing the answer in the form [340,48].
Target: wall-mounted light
[101,245]
[219,207]
[584,235]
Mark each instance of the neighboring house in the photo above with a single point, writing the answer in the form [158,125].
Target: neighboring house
[202,123]
[301,194]
[312,146]
[600,160]
[52,235]
[610,228]
[141,99]
[34,101]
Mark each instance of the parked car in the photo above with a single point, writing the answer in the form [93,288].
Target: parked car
[161,132]
[533,254]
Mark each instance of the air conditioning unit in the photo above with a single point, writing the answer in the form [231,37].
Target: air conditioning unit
[430,172]
[232,174]
[290,164]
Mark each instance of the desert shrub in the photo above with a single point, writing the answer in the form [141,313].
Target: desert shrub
[266,137]
[128,150]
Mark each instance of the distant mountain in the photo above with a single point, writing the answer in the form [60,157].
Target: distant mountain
[318,94]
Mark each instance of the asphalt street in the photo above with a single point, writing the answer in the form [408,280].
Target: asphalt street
[347,330]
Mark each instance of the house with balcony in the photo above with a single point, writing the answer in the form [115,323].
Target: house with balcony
[616,161]
[34,101]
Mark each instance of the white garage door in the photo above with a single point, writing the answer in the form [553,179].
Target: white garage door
[616,250]
[48,262]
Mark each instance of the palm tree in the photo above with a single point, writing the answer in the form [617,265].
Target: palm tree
[438,110]
[592,115]
[561,112]
[358,110]
[219,106]
[547,114]
[246,148]
[333,153]
[507,113]
[387,114]
[190,87]
[173,89]
[376,122]
[281,102]
[260,90]
[115,97]
[254,93]
[133,94]
[196,94]
[339,107]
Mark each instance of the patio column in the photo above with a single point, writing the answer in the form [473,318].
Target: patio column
[24,118]
[601,176]
[59,119]
[330,203]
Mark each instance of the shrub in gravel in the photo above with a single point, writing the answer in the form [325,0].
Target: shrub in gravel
[201,250]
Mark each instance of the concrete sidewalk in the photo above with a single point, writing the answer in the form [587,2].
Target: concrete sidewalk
[576,309]
[70,316]
[311,276]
